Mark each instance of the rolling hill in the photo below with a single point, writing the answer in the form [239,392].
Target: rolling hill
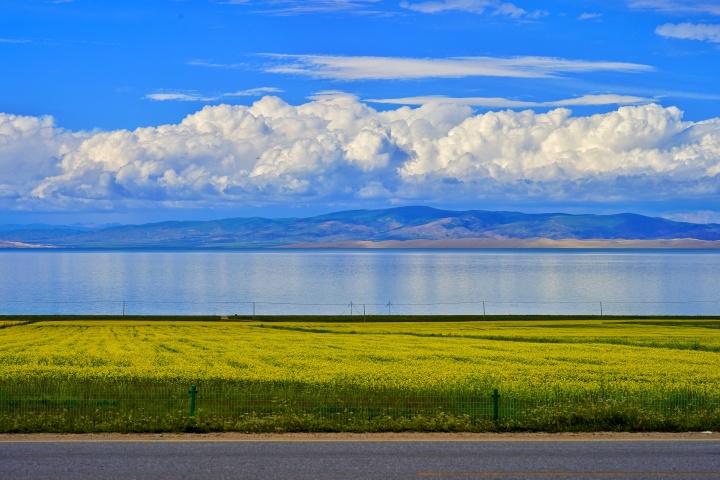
[386,227]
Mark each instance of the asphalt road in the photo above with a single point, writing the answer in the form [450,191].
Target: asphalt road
[175,459]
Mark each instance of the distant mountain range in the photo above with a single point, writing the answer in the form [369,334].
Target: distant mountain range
[394,227]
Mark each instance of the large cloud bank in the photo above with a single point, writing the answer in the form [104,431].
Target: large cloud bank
[337,150]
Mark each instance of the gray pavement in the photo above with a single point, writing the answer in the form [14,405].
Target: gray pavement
[178,459]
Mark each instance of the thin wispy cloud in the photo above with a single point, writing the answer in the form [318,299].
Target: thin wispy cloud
[479,7]
[690,31]
[297,7]
[702,216]
[202,63]
[196,97]
[397,68]
[590,16]
[496,102]
[679,6]
[63,42]
[179,97]
[13,40]
[253,92]
[691,95]
[332,95]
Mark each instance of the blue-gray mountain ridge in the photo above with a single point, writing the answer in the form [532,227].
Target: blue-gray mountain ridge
[400,224]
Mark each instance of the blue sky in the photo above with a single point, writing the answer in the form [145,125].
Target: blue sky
[138,111]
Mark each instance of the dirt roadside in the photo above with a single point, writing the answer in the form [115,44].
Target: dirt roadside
[323,437]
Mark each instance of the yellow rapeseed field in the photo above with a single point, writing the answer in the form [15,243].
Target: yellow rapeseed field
[10,323]
[532,356]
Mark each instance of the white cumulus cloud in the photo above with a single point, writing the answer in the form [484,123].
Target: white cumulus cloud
[30,151]
[338,150]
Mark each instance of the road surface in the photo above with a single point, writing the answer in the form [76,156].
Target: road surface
[179,458]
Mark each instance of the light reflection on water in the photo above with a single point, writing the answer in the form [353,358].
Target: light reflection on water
[414,281]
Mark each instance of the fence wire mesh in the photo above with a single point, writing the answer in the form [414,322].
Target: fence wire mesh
[83,406]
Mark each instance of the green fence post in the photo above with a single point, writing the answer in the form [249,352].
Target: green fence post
[193,394]
[496,405]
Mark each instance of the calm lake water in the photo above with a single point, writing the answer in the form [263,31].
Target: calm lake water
[326,281]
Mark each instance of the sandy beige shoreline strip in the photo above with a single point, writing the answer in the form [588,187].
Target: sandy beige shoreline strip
[516,243]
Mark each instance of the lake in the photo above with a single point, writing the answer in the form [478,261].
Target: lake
[647,282]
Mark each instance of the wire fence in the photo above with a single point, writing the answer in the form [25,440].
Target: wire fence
[143,407]
[366,308]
